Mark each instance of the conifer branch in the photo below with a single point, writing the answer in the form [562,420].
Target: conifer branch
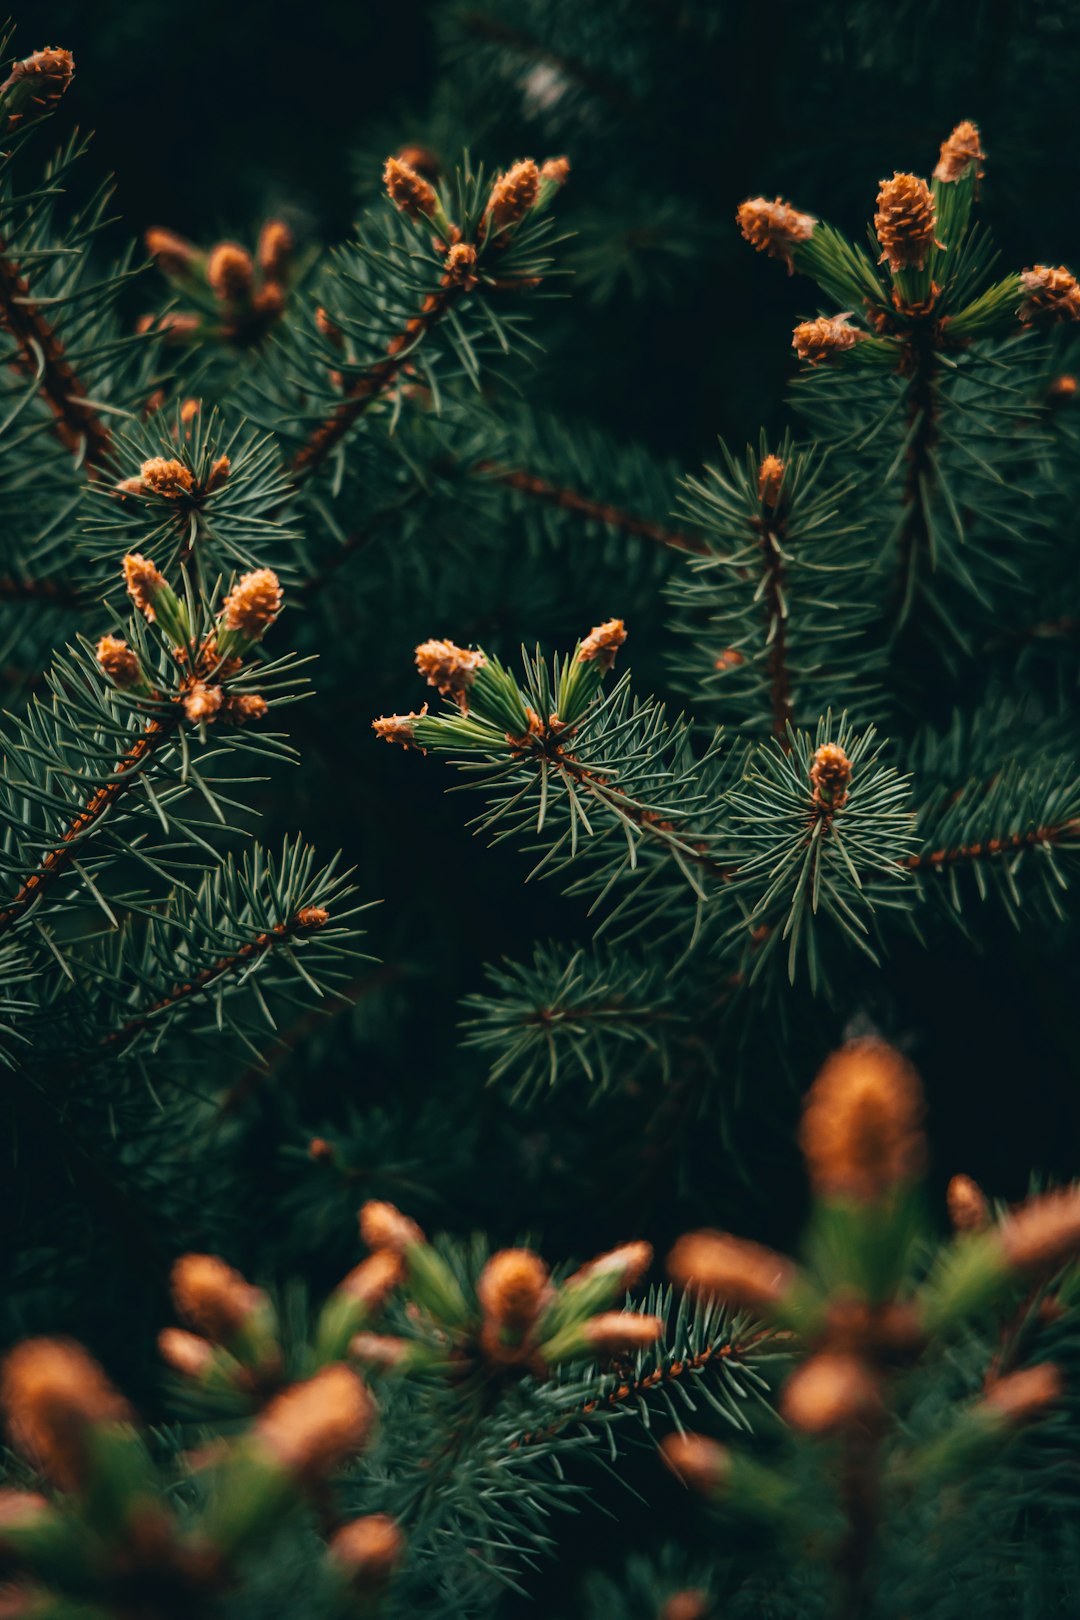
[76,423]
[571,500]
[1011,844]
[914,536]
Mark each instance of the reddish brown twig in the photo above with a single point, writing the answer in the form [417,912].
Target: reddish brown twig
[993,846]
[571,500]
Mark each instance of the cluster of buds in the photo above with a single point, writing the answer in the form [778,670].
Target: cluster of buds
[34,86]
[515,1315]
[237,296]
[168,479]
[861,1306]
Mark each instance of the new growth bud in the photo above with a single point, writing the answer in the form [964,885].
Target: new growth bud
[250,609]
[824,338]
[770,479]
[602,643]
[175,255]
[54,1396]
[967,1205]
[960,154]
[167,477]
[314,1427]
[409,192]
[213,1298]
[368,1550]
[701,1464]
[398,728]
[1050,296]
[513,194]
[230,272]
[774,228]
[1020,1397]
[383,1226]
[861,1131]
[449,668]
[830,775]
[830,1391]
[119,662]
[735,1270]
[905,222]
[35,85]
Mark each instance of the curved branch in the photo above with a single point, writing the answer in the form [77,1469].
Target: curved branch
[571,500]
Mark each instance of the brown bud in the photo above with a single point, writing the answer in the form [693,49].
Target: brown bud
[186,1353]
[824,338]
[730,658]
[35,85]
[1050,296]
[512,1288]
[602,643]
[905,222]
[320,1150]
[164,476]
[461,265]
[1062,389]
[830,1391]
[960,153]
[119,662]
[513,194]
[556,169]
[398,728]
[770,478]
[420,158]
[1021,1396]
[217,475]
[967,1206]
[774,228]
[202,702]
[312,917]
[611,1332]
[627,1264]
[315,1426]
[702,1464]
[240,707]
[143,582]
[368,1550]
[275,250]
[409,192]
[449,668]
[689,1605]
[253,604]
[54,1394]
[830,774]
[383,1226]
[373,1281]
[230,272]
[214,1298]
[735,1270]
[175,255]
[1044,1233]
[861,1131]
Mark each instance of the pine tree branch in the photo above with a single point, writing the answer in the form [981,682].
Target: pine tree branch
[154,735]
[914,538]
[77,424]
[373,382]
[776,618]
[993,846]
[571,500]
[39,590]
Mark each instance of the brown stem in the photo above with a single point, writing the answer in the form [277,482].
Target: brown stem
[75,421]
[993,846]
[39,590]
[571,500]
[860,1489]
[373,382]
[58,859]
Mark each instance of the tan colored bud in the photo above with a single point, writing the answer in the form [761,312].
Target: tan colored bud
[1050,295]
[175,255]
[398,728]
[461,264]
[905,222]
[378,1351]
[168,477]
[214,1298]
[730,658]
[143,582]
[36,84]
[512,1287]
[315,1427]
[774,228]
[700,1463]
[830,1391]
[611,1332]
[556,169]
[175,325]
[328,327]
[54,1394]
[689,1605]
[1062,389]
[230,271]
[420,158]
[735,1270]
[312,917]
[602,643]
[189,410]
[186,1353]
[320,1150]
[825,338]
[830,776]
[967,1206]
[1022,1396]
[202,702]
[218,473]
[368,1550]
[770,478]
[253,604]
[449,668]
[628,1263]
[383,1226]
[409,192]
[861,1131]
[373,1281]
[960,153]
[1044,1233]
[119,662]
[513,194]
[275,250]
[269,301]
[20,1510]
[240,707]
